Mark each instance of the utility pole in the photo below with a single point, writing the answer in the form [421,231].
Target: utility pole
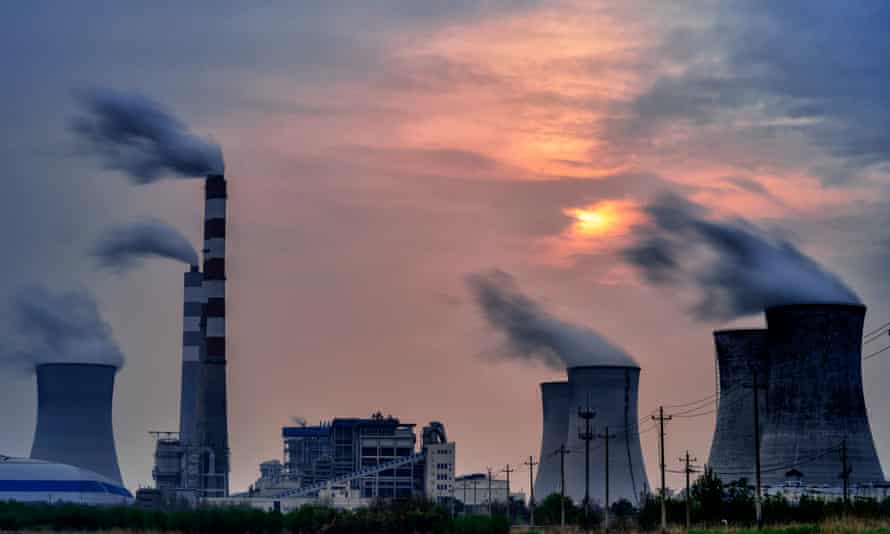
[845,473]
[687,461]
[587,436]
[489,491]
[606,436]
[661,418]
[758,506]
[562,451]
[475,500]
[531,463]
[508,470]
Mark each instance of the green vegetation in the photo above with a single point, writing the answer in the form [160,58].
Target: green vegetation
[397,518]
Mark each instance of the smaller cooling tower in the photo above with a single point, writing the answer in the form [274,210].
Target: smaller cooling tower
[612,393]
[815,396]
[556,402]
[74,417]
[739,354]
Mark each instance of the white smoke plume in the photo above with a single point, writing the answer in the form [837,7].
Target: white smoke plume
[532,334]
[124,247]
[59,328]
[133,134]
[738,268]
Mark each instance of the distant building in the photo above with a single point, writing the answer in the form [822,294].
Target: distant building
[475,491]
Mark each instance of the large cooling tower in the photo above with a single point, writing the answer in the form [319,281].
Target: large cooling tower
[192,349]
[212,411]
[739,354]
[815,395]
[612,392]
[74,417]
[556,402]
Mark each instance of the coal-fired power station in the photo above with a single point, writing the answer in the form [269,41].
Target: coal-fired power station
[815,402]
[74,423]
[740,353]
[611,393]
[556,401]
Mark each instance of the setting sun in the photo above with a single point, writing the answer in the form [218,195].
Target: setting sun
[600,219]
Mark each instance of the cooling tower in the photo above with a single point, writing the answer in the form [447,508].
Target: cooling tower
[815,395]
[612,392]
[74,417]
[739,353]
[556,400]
[212,410]
[192,347]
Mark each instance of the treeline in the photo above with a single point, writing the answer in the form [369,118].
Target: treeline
[416,517]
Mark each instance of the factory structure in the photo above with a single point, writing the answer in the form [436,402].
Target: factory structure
[811,409]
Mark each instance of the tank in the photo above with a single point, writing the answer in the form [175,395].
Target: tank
[814,395]
[555,405]
[739,354]
[612,393]
[74,424]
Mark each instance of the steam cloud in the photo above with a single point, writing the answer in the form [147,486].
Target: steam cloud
[61,328]
[533,334]
[122,248]
[133,134]
[738,268]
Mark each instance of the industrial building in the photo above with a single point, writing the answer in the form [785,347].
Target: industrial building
[194,463]
[740,353]
[29,480]
[74,426]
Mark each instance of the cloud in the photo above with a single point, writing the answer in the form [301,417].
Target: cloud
[738,269]
[122,248]
[133,134]
[532,334]
[60,328]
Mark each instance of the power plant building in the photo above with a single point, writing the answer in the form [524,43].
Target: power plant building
[74,425]
[29,480]
[740,353]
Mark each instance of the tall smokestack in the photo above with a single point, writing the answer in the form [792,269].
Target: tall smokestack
[556,400]
[212,416]
[74,417]
[815,395]
[192,348]
[739,354]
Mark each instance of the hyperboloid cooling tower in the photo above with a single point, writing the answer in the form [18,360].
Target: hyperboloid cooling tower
[212,410]
[556,400]
[739,354]
[815,397]
[74,417]
[612,392]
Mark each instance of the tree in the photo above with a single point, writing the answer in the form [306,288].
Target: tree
[707,491]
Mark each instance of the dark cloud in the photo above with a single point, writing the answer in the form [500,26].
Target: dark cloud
[815,68]
[738,268]
[60,328]
[747,184]
[532,334]
[124,247]
[136,136]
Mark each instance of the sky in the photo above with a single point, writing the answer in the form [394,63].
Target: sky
[380,153]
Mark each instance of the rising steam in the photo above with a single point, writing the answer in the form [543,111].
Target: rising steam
[124,247]
[533,334]
[738,268]
[60,328]
[133,134]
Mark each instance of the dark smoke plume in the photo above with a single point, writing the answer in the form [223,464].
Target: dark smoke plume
[60,328]
[535,335]
[123,247]
[739,269]
[133,134]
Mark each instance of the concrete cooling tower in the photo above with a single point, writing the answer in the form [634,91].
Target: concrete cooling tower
[612,392]
[739,353]
[556,402]
[815,395]
[74,417]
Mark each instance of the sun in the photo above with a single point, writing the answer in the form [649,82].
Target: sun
[598,219]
